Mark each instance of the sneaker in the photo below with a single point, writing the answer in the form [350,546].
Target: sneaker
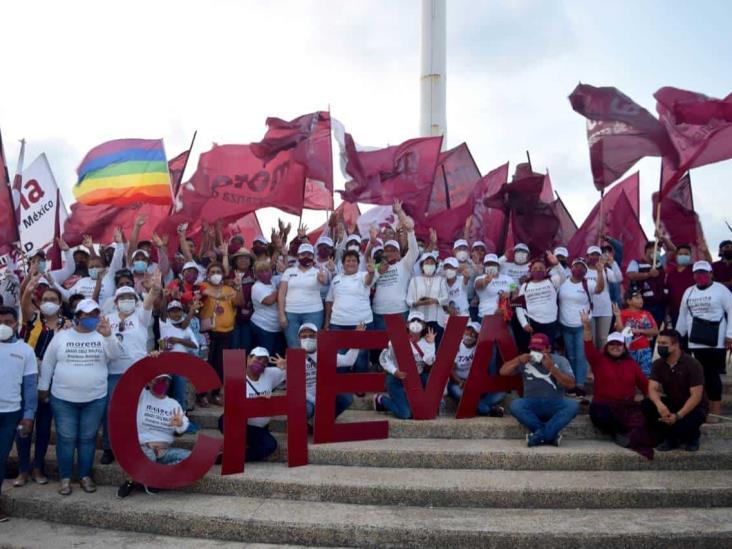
[621,440]
[107,457]
[497,411]
[39,477]
[556,442]
[87,484]
[65,487]
[150,491]
[576,392]
[692,446]
[4,517]
[125,489]
[532,440]
[378,406]
[192,429]
[667,445]
[21,481]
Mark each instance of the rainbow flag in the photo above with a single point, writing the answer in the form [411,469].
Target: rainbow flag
[124,171]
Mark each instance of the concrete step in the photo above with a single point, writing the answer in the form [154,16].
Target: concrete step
[231,518]
[459,487]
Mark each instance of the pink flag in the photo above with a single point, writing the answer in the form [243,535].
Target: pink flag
[619,131]
[679,221]
[455,179]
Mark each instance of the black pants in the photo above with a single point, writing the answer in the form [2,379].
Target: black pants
[260,442]
[550,330]
[684,430]
[520,335]
[714,361]
[626,418]
[218,342]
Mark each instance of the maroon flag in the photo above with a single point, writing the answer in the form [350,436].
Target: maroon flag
[308,137]
[547,191]
[449,225]
[679,221]
[350,213]
[8,223]
[488,222]
[455,179]
[175,168]
[619,132]
[567,225]
[403,172]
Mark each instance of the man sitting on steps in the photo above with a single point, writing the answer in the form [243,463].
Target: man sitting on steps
[543,410]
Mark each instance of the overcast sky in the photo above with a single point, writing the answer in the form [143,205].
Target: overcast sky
[75,74]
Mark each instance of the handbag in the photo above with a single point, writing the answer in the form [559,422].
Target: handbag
[703,332]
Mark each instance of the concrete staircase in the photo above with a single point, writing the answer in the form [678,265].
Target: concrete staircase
[447,482]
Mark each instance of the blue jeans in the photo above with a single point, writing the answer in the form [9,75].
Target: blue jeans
[380,326]
[396,402]
[242,337]
[545,418]
[295,320]
[260,442]
[77,424]
[112,380]
[574,345]
[42,427]
[342,403]
[274,342]
[487,400]
[179,391]
[8,425]
[362,362]
[170,457]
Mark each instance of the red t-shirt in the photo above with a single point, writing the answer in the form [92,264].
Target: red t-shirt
[677,283]
[614,379]
[638,320]
[722,271]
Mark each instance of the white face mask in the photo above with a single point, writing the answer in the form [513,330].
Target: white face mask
[309,344]
[462,255]
[126,306]
[429,270]
[415,327]
[469,341]
[520,258]
[354,248]
[536,356]
[6,332]
[49,308]
[215,279]
[450,274]
[491,271]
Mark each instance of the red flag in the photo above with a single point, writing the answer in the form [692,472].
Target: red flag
[679,221]
[619,131]
[308,136]
[175,168]
[547,191]
[404,172]
[8,223]
[488,223]
[455,178]
[567,225]
[449,225]
[350,212]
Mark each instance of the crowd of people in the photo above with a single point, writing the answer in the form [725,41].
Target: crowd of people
[68,335]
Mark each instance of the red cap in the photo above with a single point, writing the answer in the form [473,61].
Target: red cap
[538,342]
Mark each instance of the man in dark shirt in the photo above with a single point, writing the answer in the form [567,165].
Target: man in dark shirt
[679,276]
[677,415]
[722,269]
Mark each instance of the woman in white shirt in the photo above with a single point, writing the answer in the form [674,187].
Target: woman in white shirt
[491,286]
[456,284]
[76,361]
[422,342]
[541,312]
[266,331]
[427,295]
[299,298]
[348,303]
[602,308]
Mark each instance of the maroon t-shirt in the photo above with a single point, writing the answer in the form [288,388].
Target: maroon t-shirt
[722,271]
[676,284]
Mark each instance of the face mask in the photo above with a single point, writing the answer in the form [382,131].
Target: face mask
[89,323]
[309,344]
[265,277]
[536,356]
[258,249]
[354,248]
[683,260]
[421,250]
[461,256]
[592,261]
[537,276]
[727,254]
[233,248]
[190,277]
[450,274]
[94,272]
[126,306]
[257,367]
[6,332]
[49,308]
[702,279]
[323,253]
[415,327]
[176,322]
[160,388]
[305,261]
[139,266]
[429,270]
[520,258]
[663,351]
[42,266]
[578,272]
[215,279]
[469,341]
[491,271]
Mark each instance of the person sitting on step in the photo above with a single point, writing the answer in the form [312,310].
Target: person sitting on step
[543,410]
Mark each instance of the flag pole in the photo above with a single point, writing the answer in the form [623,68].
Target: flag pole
[658,216]
[528,157]
[447,188]
[602,216]
[188,156]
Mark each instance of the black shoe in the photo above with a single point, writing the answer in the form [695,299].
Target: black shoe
[378,406]
[667,445]
[621,440]
[556,442]
[692,446]
[577,392]
[497,411]
[532,440]
[125,489]
[107,457]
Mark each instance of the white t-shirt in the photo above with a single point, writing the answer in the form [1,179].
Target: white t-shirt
[270,378]
[541,302]
[168,329]
[303,291]
[9,288]
[85,286]
[133,338]
[425,356]
[601,303]
[433,287]
[712,303]
[17,360]
[464,360]
[154,416]
[311,370]
[573,299]
[391,286]
[77,364]
[489,295]
[265,317]
[350,297]
[512,270]
[457,295]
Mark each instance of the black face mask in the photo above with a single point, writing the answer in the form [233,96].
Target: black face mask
[727,254]
[663,351]
[378,256]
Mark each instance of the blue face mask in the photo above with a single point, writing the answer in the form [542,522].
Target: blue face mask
[42,266]
[139,266]
[94,272]
[683,260]
[89,323]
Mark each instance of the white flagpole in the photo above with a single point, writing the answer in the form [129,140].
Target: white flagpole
[433,118]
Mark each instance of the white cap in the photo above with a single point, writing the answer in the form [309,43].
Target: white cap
[353,238]
[81,249]
[375,249]
[474,326]
[328,241]
[460,242]
[415,315]
[190,265]
[564,252]
[450,262]
[174,305]
[259,351]
[260,238]
[124,290]
[580,260]
[521,246]
[393,244]
[305,248]
[478,243]
[490,258]
[427,255]
[594,250]
[162,375]
[616,337]
[140,251]
[86,306]
[702,266]
[308,326]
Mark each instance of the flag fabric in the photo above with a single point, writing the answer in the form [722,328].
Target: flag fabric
[679,222]
[404,172]
[308,137]
[488,223]
[175,169]
[351,214]
[8,223]
[123,172]
[448,224]
[567,225]
[378,216]
[619,132]
[547,190]
[455,179]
